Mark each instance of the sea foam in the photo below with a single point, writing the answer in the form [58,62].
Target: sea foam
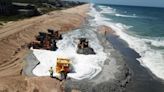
[150,58]
[128,16]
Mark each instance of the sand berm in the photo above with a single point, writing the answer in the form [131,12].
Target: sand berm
[14,38]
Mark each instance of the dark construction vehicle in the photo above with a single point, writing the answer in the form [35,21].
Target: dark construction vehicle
[84,48]
[46,40]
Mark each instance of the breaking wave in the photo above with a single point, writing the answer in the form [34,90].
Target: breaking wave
[106,9]
[127,16]
[151,58]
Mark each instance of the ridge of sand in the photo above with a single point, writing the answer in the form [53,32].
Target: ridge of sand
[14,38]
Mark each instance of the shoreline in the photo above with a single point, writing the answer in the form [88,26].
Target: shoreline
[142,79]
[87,85]
[116,79]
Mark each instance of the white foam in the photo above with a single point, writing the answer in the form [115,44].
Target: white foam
[155,42]
[153,59]
[85,66]
[150,58]
[127,16]
[107,9]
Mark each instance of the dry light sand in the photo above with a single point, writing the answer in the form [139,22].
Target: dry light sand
[13,40]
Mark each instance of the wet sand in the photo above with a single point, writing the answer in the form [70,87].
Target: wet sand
[114,76]
[142,79]
[31,62]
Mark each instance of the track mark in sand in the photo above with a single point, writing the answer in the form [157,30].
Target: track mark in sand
[8,64]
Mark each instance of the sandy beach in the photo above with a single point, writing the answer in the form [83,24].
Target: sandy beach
[14,38]
[17,62]
[114,75]
[97,47]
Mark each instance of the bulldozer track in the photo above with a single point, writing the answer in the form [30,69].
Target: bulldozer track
[8,64]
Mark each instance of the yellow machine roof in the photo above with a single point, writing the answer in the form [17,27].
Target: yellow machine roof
[63,60]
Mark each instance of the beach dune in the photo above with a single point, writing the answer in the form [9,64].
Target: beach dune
[14,38]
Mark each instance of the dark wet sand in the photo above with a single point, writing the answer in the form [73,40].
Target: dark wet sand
[31,62]
[142,79]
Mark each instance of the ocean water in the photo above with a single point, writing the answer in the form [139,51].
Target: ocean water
[141,27]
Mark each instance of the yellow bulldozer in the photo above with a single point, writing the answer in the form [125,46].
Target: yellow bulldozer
[63,66]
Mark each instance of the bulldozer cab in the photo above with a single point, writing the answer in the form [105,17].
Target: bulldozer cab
[62,65]
[83,43]
[55,34]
